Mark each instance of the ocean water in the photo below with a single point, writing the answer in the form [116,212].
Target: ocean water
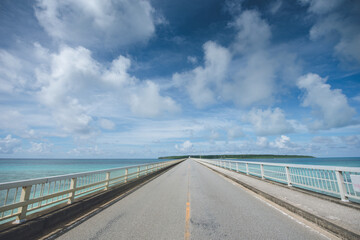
[22,169]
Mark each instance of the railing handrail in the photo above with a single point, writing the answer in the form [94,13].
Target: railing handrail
[334,168]
[41,193]
[324,179]
[33,181]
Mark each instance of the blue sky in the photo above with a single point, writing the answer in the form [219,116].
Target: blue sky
[119,79]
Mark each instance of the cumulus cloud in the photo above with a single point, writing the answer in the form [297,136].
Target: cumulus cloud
[283,142]
[246,72]
[257,66]
[201,82]
[184,147]
[269,121]
[253,33]
[73,80]
[97,23]
[330,107]
[341,18]
[253,82]
[70,72]
[148,102]
[9,144]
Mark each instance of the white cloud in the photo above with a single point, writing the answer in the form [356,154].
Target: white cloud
[337,18]
[117,75]
[12,120]
[269,122]
[73,82]
[17,70]
[330,107]
[9,144]
[234,132]
[40,147]
[184,147]
[9,68]
[262,142]
[282,142]
[71,72]
[253,82]
[337,143]
[250,71]
[148,102]
[321,6]
[192,59]
[106,124]
[85,151]
[97,23]
[253,32]
[201,82]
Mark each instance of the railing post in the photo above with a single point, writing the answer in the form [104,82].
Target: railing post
[341,185]
[126,175]
[288,179]
[146,169]
[237,167]
[25,195]
[72,188]
[138,172]
[262,171]
[247,169]
[107,180]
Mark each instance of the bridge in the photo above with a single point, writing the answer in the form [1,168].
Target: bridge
[189,199]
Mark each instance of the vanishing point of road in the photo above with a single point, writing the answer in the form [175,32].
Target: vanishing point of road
[191,201]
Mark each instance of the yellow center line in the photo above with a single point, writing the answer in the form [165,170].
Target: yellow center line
[187,216]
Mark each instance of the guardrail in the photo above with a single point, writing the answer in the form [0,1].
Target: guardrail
[22,198]
[340,182]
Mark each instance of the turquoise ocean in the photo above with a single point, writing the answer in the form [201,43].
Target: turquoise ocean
[22,169]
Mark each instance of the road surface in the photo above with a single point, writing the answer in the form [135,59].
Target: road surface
[191,202]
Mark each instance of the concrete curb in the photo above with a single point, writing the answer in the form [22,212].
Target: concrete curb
[337,230]
[40,225]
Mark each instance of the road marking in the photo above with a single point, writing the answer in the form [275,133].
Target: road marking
[187,216]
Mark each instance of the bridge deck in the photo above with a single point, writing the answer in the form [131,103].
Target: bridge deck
[191,201]
[346,215]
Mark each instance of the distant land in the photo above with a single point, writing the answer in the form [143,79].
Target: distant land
[241,156]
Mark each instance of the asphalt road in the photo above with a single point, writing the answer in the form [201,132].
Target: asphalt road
[190,202]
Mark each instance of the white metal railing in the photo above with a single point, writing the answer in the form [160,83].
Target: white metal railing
[329,180]
[21,198]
